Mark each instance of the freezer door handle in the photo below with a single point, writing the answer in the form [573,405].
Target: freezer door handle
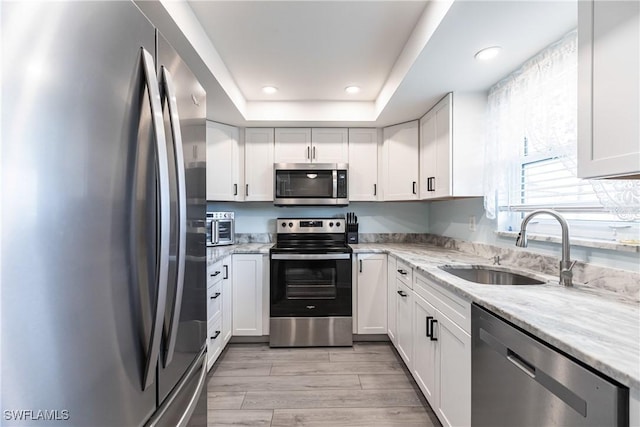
[181,221]
[164,209]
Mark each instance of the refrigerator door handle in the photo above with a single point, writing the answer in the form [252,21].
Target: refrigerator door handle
[162,256]
[157,419]
[174,118]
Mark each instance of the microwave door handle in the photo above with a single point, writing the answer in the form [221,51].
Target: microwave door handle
[335,184]
[162,257]
[174,119]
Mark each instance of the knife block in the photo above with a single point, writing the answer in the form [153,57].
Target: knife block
[352,234]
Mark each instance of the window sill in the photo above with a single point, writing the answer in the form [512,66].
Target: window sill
[576,241]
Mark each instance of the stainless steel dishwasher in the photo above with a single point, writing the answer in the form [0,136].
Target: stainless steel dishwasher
[518,380]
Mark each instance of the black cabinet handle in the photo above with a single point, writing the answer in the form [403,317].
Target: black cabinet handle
[235,189]
[226,272]
[433,335]
[429,330]
[217,294]
[375,189]
[246,191]
[314,153]
[308,150]
[216,335]
[215,274]
[403,272]
[360,266]
[431,183]
[402,293]
[413,187]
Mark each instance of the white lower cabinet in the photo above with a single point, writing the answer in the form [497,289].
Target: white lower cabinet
[371,285]
[404,322]
[453,372]
[247,294]
[424,349]
[442,352]
[214,312]
[391,299]
[227,298]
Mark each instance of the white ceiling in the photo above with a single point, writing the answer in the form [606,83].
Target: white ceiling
[404,54]
[312,50]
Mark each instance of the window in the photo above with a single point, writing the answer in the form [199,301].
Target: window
[531,155]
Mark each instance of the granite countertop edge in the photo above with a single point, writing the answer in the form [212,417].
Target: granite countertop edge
[575,320]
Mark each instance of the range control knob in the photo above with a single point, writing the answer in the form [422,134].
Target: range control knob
[330,224]
[337,224]
[290,225]
[284,224]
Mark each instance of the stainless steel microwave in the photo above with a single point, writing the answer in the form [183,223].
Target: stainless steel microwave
[220,228]
[312,184]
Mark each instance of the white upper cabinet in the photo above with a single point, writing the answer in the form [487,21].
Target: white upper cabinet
[292,145]
[318,145]
[258,164]
[400,161]
[363,165]
[223,163]
[329,145]
[608,89]
[452,147]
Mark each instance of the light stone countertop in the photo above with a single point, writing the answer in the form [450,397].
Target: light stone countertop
[595,326]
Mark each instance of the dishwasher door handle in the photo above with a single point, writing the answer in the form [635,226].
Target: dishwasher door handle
[521,364]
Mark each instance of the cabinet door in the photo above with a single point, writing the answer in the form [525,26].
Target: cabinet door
[223,162]
[442,182]
[435,151]
[329,145]
[428,142]
[363,165]
[372,293]
[247,294]
[258,164]
[391,299]
[400,161]
[404,321]
[227,298]
[454,373]
[608,88]
[292,145]
[424,349]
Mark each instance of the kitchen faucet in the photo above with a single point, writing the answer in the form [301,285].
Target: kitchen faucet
[566,265]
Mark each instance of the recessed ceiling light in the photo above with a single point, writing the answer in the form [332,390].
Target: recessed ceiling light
[352,89]
[488,53]
[269,89]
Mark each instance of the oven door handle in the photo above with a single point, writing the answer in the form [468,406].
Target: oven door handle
[293,257]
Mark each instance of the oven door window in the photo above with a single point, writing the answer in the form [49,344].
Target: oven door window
[302,184]
[225,230]
[310,288]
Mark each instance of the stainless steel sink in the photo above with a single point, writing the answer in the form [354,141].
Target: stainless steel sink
[489,276]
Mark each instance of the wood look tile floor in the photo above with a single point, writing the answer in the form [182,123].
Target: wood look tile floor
[366,385]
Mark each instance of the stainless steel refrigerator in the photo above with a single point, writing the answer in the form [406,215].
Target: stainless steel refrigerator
[103,257]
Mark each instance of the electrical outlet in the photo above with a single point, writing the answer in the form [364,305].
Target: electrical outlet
[472,223]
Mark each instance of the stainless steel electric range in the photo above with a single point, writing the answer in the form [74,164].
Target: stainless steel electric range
[310,296]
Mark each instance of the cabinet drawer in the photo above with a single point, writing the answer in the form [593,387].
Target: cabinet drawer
[404,273]
[214,340]
[214,273]
[214,300]
[452,306]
